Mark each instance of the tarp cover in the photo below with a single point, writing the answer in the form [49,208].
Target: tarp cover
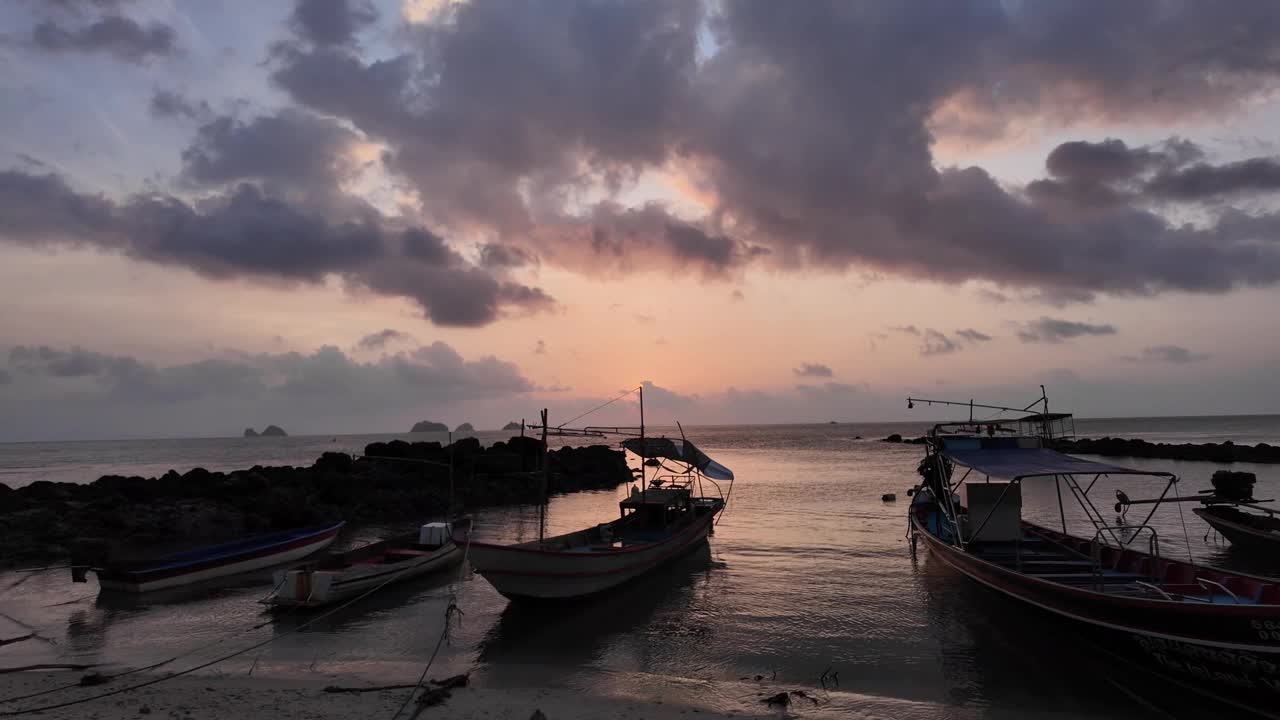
[680,451]
[1013,463]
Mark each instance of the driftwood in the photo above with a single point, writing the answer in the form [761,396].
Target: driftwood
[45,666]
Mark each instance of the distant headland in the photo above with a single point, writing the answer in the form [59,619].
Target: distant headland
[428,426]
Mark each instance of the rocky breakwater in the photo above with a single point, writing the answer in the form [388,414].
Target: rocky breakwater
[44,521]
[1225,452]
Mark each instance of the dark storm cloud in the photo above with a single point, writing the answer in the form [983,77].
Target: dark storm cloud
[500,114]
[1173,354]
[812,370]
[114,35]
[379,340]
[1205,181]
[332,22]
[292,146]
[973,335]
[173,104]
[1053,330]
[245,232]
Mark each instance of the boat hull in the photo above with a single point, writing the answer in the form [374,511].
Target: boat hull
[1230,653]
[141,581]
[1240,535]
[521,573]
[316,588]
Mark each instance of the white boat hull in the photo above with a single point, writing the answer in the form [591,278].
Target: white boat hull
[522,572]
[313,588]
[234,568]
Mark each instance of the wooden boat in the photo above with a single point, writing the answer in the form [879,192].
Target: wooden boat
[656,526]
[214,561]
[1214,631]
[660,520]
[333,577]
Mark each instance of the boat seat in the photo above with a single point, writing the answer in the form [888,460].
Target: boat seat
[1245,588]
[408,551]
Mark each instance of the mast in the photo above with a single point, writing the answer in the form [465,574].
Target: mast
[644,481]
[546,480]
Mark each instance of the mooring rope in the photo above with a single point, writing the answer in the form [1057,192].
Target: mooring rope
[201,666]
[449,609]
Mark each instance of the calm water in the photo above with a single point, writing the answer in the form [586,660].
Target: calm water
[808,570]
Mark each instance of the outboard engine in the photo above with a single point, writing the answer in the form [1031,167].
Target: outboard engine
[1234,486]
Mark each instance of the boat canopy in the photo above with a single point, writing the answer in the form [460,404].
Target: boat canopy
[1017,463]
[680,451]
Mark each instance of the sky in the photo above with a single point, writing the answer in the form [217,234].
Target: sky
[345,216]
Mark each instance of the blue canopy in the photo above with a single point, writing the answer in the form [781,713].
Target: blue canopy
[1013,463]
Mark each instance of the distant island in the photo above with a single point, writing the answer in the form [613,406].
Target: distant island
[465,427]
[513,425]
[268,431]
[428,426]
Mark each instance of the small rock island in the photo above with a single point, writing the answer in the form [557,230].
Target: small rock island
[268,431]
[513,425]
[465,427]
[428,426]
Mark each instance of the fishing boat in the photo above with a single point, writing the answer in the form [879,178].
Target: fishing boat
[666,515]
[206,563]
[1211,630]
[332,577]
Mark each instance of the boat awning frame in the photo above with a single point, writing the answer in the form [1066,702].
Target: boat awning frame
[1020,463]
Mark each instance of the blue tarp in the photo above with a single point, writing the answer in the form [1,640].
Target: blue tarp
[1010,463]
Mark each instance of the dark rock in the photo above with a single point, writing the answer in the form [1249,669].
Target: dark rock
[513,425]
[894,438]
[274,431]
[428,426]
[250,432]
[465,427]
[42,521]
[1224,453]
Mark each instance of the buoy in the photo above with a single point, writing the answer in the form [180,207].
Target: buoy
[889,497]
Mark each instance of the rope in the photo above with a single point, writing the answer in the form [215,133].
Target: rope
[598,407]
[153,666]
[444,632]
[255,646]
[1186,539]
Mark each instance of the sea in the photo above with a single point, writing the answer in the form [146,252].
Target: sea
[808,583]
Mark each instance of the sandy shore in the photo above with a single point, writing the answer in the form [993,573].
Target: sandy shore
[223,698]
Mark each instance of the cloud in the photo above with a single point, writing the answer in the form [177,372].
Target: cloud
[245,233]
[1203,181]
[906,329]
[233,389]
[1173,354]
[540,348]
[495,255]
[173,104]
[505,117]
[812,370]
[973,335]
[937,343]
[113,35]
[332,22]
[292,146]
[1052,330]
[380,339]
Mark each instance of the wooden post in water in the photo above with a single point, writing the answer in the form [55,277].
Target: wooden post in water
[546,480]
